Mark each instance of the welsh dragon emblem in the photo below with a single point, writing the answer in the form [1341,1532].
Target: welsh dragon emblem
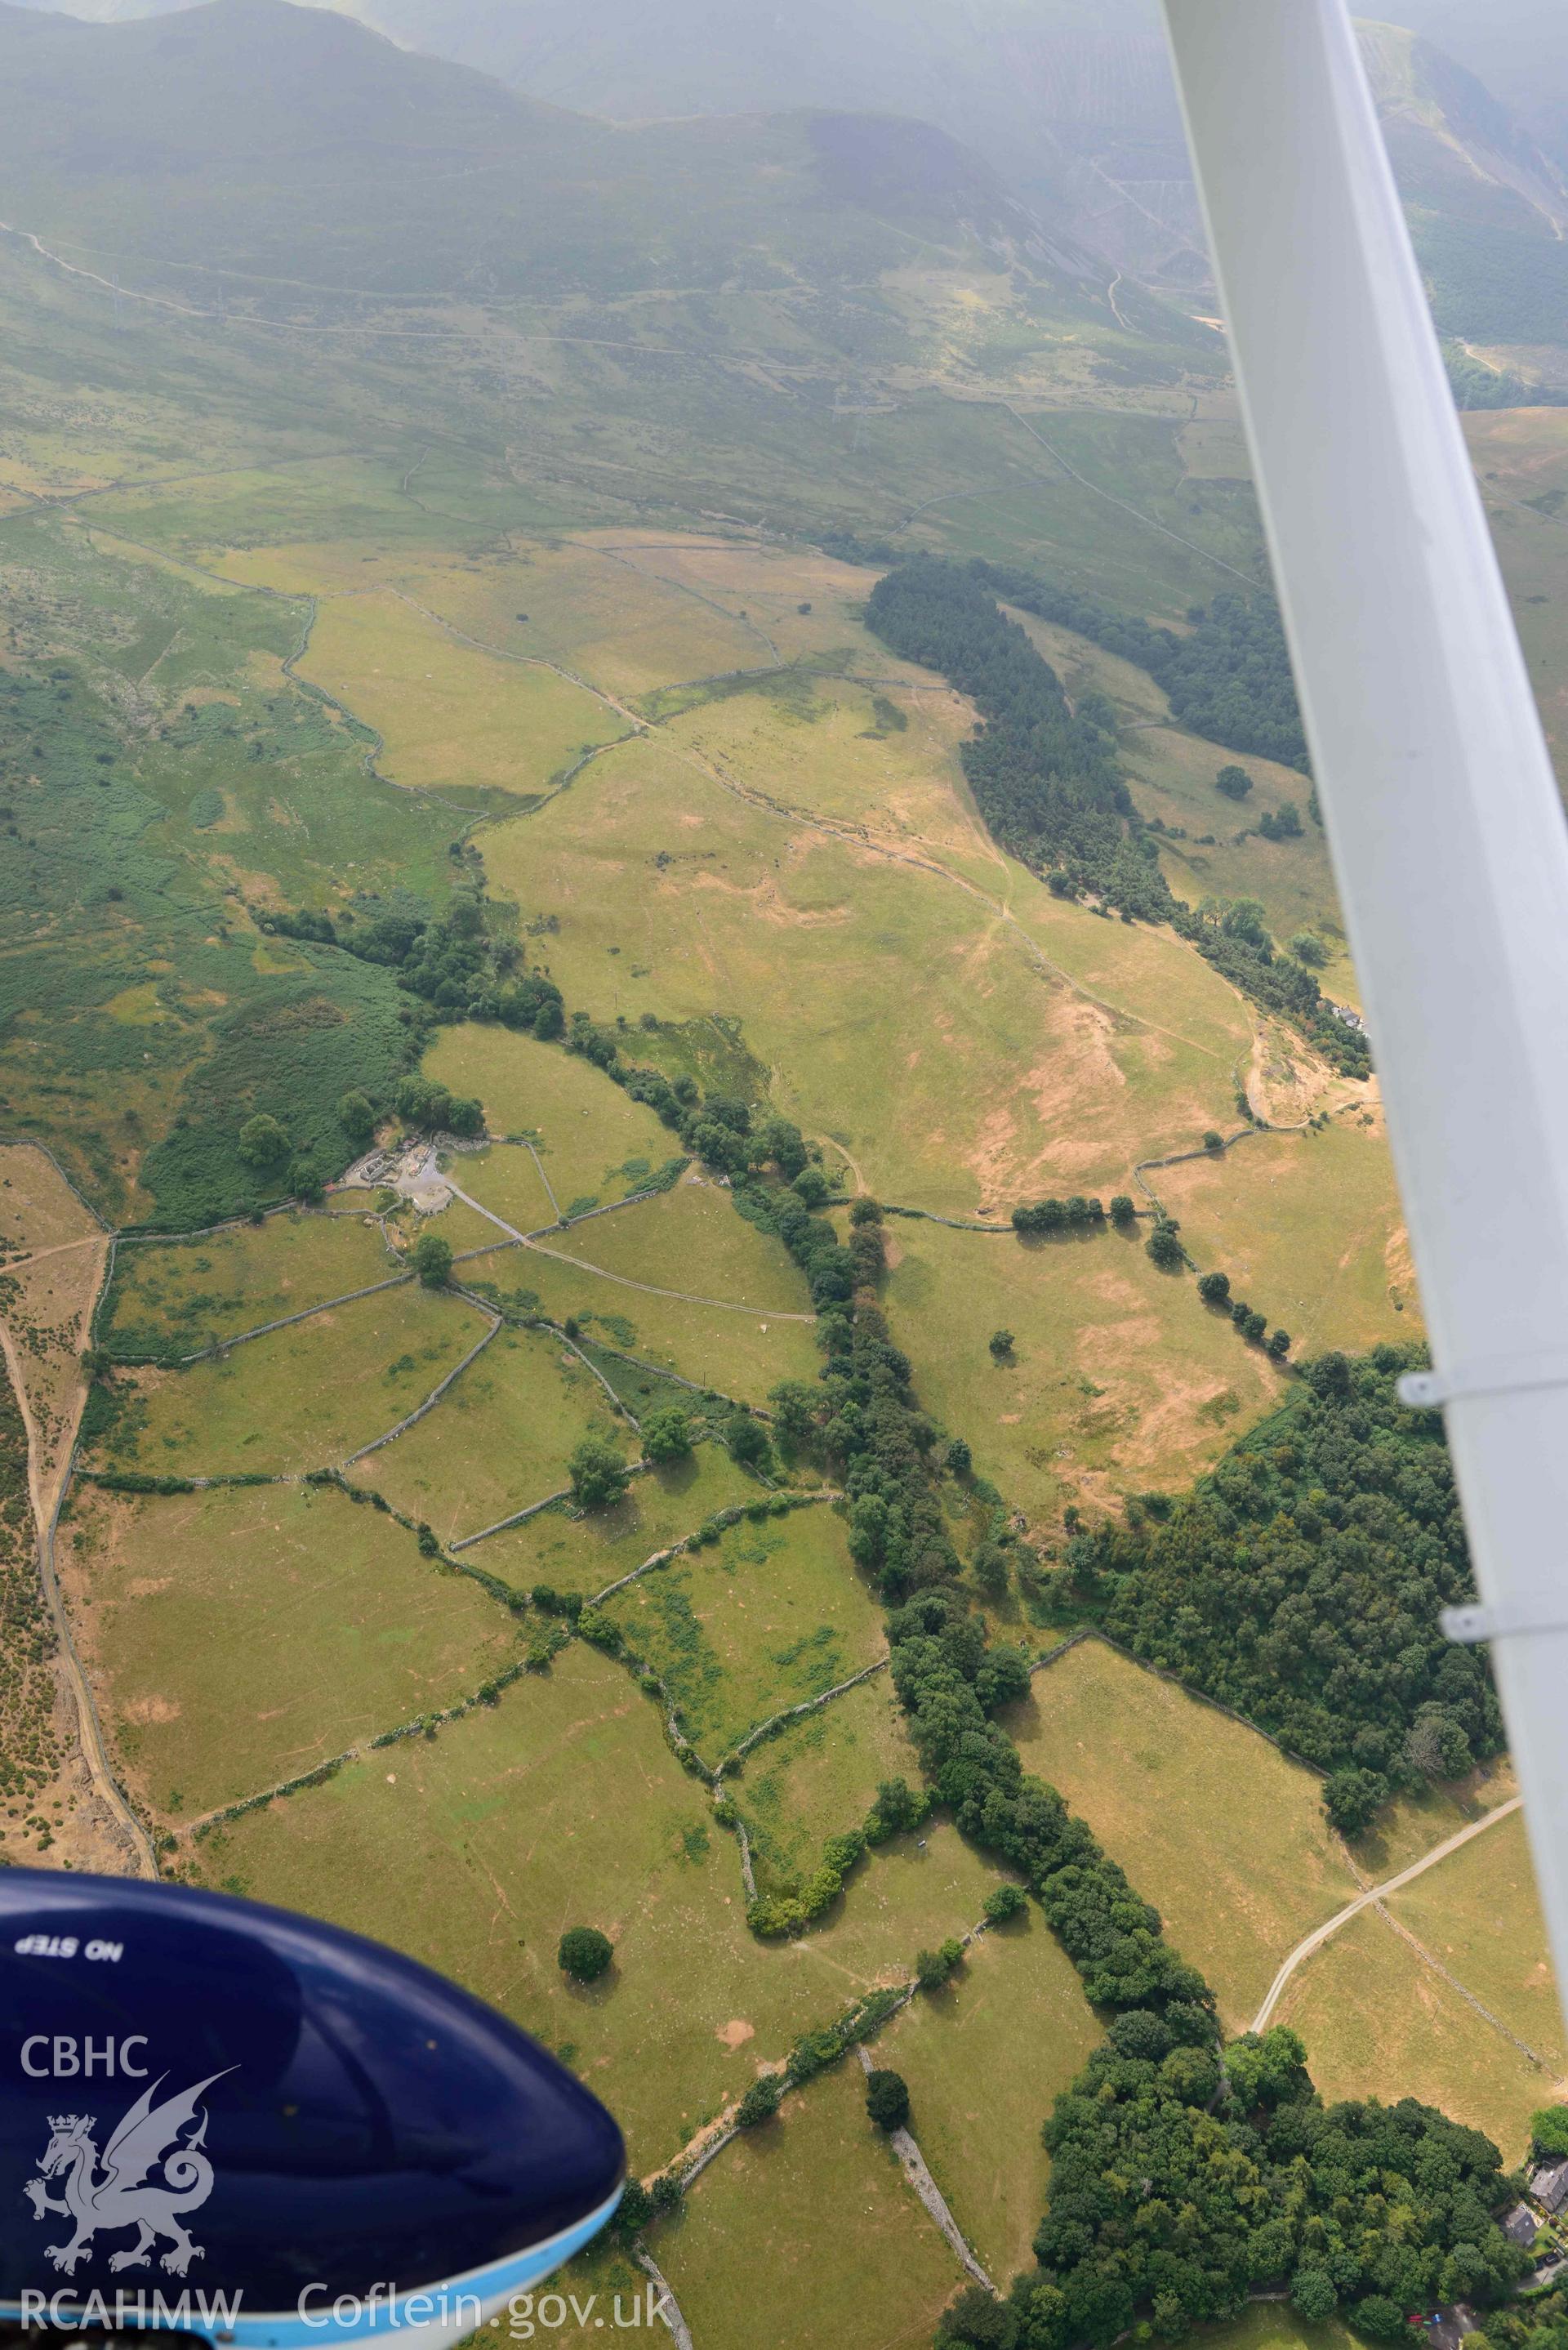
[148,2138]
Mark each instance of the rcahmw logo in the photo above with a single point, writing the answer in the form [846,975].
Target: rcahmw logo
[148,2178]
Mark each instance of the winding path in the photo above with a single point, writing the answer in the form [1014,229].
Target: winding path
[1375,1895]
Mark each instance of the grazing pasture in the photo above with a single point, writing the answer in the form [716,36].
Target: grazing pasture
[305,1397]
[938,1043]
[500,1438]
[1309,1228]
[691,1239]
[239,1637]
[585,1551]
[175,1297]
[702,1338]
[563,1806]
[1210,1822]
[1479,1915]
[1380,2022]
[1119,1379]
[771,1614]
[801,2220]
[505,1181]
[985,2060]
[451,717]
[595,1142]
[819,1777]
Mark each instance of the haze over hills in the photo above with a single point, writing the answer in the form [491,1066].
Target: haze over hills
[214,138]
[1073,107]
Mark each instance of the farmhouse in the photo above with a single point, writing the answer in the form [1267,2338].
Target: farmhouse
[1549,2185]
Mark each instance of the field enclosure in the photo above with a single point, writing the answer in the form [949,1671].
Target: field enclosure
[1444,1994]
[516,602]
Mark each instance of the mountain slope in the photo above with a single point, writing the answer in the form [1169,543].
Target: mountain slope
[1519,48]
[291,145]
[1074,104]
[721,156]
[1488,208]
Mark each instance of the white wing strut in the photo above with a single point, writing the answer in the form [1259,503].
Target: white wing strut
[1448,840]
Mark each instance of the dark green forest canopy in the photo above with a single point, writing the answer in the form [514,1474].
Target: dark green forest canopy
[1048,780]
[1228,678]
[1045,780]
[1302,1584]
[1179,2192]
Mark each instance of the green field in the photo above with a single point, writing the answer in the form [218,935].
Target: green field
[505,1181]
[737,1352]
[819,1778]
[451,717]
[179,1297]
[564,1805]
[880,760]
[595,1143]
[1275,2325]
[770,1615]
[984,2068]
[1119,1379]
[1379,2023]
[1308,1226]
[691,1239]
[1413,1823]
[1211,1823]
[585,1553]
[801,2222]
[595,606]
[1479,1914]
[300,1398]
[500,1438]
[242,1638]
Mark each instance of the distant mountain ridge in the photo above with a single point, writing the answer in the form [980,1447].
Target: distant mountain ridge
[1069,102]
[218,135]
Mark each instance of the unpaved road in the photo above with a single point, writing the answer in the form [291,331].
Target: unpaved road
[1314,1940]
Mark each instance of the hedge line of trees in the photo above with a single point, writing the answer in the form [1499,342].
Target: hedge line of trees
[1301,1582]
[1183,2177]
[1048,780]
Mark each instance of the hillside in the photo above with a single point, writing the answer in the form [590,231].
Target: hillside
[1076,107]
[672,1003]
[1073,107]
[291,145]
[1487,206]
